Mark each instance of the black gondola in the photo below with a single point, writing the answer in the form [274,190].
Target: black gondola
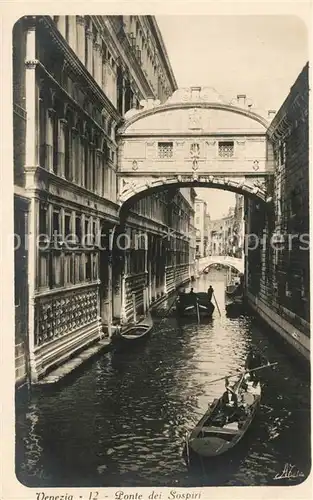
[212,436]
[190,303]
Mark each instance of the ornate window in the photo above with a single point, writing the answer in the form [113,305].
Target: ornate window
[282,153]
[165,149]
[195,149]
[226,149]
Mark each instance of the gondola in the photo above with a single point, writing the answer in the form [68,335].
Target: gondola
[188,303]
[134,333]
[210,438]
[233,290]
[234,303]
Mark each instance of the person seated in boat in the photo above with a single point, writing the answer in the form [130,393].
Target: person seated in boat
[210,292]
[229,399]
[251,388]
[191,291]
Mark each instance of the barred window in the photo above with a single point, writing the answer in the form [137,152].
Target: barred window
[165,149]
[226,149]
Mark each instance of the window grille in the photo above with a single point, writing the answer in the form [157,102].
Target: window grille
[226,149]
[165,149]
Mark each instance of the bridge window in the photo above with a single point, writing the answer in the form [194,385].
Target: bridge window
[226,149]
[165,149]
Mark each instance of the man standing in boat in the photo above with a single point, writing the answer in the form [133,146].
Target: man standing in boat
[254,360]
[210,293]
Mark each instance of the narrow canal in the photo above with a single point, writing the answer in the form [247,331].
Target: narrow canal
[121,421]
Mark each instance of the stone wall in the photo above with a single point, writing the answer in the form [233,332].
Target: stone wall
[278,270]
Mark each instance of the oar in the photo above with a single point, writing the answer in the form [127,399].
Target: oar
[246,371]
[197,309]
[187,447]
[216,304]
[169,309]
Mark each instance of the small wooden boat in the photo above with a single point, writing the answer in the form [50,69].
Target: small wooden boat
[215,434]
[134,333]
[187,304]
[234,303]
[233,290]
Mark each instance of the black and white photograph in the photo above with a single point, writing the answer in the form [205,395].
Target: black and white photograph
[161,253]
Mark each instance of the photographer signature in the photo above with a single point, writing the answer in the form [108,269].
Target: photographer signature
[289,472]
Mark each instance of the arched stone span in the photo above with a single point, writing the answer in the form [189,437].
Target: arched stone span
[136,115]
[226,261]
[135,190]
[194,139]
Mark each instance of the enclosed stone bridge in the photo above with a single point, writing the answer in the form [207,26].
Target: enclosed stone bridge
[232,262]
[194,139]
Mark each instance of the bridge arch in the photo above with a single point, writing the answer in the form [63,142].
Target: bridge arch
[133,191]
[226,261]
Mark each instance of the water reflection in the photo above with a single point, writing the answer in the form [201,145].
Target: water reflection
[123,421]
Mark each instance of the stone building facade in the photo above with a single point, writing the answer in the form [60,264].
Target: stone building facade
[74,79]
[238,227]
[278,272]
[201,223]
[222,233]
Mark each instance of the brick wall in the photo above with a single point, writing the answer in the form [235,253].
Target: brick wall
[279,275]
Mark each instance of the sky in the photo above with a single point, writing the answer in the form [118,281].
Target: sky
[260,56]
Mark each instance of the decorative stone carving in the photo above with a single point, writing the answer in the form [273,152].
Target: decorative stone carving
[149,104]
[255,185]
[195,150]
[195,94]
[60,315]
[195,164]
[260,184]
[31,63]
[256,165]
[195,119]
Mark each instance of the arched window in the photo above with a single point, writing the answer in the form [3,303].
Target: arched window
[86,160]
[55,137]
[68,154]
[42,129]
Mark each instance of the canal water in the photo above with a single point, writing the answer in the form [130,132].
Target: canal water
[122,420]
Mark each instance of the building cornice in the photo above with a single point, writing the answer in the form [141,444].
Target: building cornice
[125,52]
[163,52]
[75,63]
[191,105]
[281,124]
[74,103]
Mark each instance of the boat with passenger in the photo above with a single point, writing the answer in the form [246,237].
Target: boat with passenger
[191,303]
[226,421]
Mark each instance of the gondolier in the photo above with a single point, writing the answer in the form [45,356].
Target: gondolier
[219,431]
[210,292]
[254,360]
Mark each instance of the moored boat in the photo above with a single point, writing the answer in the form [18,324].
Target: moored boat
[190,303]
[218,431]
[134,333]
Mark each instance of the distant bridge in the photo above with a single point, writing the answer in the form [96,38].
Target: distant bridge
[223,260]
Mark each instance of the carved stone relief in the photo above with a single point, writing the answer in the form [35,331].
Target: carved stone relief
[195,119]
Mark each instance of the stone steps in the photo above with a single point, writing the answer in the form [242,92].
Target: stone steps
[69,366]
